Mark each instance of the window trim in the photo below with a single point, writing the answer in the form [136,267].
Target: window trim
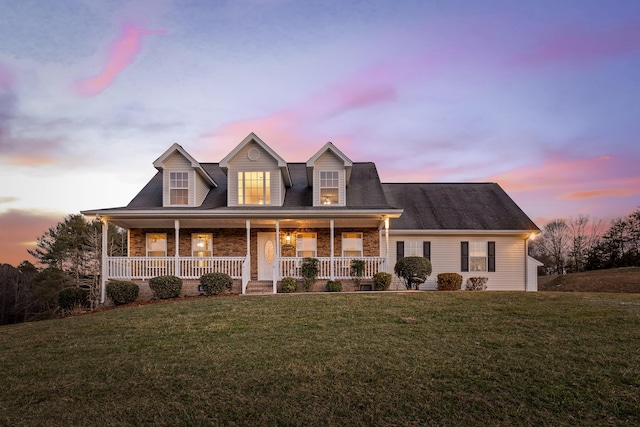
[184,188]
[326,187]
[242,187]
[360,239]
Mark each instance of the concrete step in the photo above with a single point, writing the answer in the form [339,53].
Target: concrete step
[259,287]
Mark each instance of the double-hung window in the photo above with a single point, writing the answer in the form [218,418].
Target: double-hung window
[329,186]
[254,188]
[201,244]
[351,244]
[156,245]
[306,244]
[478,256]
[179,188]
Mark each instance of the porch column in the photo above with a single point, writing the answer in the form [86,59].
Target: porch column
[276,265]
[105,265]
[177,254]
[332,267]
[246,266]
[128,243]
[386,241]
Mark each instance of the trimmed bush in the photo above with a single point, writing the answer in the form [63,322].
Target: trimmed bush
[334,286]
[449,282]
[73,298]
[215,283]
[164,287]
[413,270]
[381,281]
[309,272]
[289,284]
[476,283]
[357,271]
[122,291]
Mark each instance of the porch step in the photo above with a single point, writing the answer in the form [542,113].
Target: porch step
[259,287]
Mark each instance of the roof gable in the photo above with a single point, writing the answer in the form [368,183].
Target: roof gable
[252,137]
[329,147]
[177,148]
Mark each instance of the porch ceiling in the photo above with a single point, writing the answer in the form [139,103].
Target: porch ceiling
[130,223]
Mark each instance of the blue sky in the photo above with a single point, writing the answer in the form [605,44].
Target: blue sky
[541,97]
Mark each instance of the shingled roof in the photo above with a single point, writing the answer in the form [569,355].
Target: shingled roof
[458,206]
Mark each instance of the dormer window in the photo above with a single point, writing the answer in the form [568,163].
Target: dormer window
[254,188]
[179,188]
[329,186]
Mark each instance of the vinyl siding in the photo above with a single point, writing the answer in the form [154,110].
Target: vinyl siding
[202,189]
[241,163]
[445,258]
[177,163]
[329,162]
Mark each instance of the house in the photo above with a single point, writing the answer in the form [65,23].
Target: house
[255,217]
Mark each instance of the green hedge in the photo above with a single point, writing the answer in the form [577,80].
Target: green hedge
[70,298]
[122,291]
[289,284]
[215,283]
[381,281]
[164,287]
[449,282]
[334,286]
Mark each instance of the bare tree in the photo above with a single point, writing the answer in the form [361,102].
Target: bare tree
[585,234]
[555,241]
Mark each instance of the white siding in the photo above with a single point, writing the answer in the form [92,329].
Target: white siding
[202,189]
[329,162]
[242,163]
[177,163]
[445,258]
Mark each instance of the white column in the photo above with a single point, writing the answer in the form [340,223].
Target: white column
[128,242]
[276,263]
[177,254]
[246,266]
[105,266]
[332,267]
[386,238]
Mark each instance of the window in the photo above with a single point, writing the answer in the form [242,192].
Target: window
[351,244]
[254,188]
[156,245]
[179,188]
[413,248]
[306,244]
[201,244]
[478,256]
[329,184]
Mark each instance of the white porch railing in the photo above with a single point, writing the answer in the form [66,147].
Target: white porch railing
[341,267]
[127,268]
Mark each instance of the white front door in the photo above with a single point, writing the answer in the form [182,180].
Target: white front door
[266,255]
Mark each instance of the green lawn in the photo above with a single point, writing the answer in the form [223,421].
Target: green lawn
[419,358]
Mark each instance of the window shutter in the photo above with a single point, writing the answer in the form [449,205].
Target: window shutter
[464,256]
[426,250]
[491,256]
[399,250]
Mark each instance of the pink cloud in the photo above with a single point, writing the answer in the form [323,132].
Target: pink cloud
[123,52]
[20,230]
[575,44]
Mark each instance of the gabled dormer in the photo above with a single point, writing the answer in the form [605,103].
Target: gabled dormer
[256,175]
[328,172]
[184,182]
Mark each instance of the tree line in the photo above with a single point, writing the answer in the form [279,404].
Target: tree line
[68,254]
[582,243]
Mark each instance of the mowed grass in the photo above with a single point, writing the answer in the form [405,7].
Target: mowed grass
[405,359]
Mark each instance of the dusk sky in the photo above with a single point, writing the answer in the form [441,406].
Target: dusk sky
[542,97]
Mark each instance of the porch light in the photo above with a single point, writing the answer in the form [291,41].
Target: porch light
[287,242]
[532,236]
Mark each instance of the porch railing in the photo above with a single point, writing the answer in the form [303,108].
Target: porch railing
[127,268]
[341,267]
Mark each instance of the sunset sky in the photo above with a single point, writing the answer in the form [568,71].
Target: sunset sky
[541,96]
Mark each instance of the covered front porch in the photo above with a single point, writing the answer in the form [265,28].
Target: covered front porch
[248,250]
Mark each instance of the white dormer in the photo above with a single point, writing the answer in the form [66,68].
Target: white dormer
[184,181]
[329,171]
[256,175]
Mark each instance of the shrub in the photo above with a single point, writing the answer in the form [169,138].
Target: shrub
[309,272]
[122,292]
[381,281]
[449,281]
[334,286]
[73,298]
[164,287]
[289,284]
[413,270]
[357,271]
[476,283]
[215,283]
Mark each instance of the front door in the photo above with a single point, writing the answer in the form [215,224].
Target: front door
[266,255]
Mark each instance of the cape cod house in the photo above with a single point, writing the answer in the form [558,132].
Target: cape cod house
[255,217]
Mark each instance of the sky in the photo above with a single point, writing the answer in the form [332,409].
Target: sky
[542,97]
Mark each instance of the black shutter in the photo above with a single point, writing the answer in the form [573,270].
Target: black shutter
[399,250]
[426,250]
[491,259]
[464,256]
